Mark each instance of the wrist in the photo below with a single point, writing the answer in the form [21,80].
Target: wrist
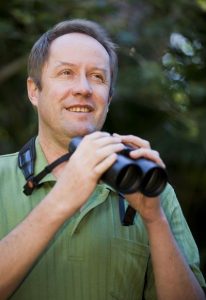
[157,220]
[59,206]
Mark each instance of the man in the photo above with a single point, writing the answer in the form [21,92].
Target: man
[65,240]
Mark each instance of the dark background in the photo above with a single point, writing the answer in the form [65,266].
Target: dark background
[161,88]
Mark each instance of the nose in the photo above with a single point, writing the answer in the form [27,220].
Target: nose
[82,87]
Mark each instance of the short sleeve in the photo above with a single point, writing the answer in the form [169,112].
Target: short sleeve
[181,232]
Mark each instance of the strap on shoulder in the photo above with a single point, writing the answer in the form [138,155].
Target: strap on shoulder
[27,157]
[126,217]
[26,162]
[34,181]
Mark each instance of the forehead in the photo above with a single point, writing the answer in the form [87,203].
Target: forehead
[78,47]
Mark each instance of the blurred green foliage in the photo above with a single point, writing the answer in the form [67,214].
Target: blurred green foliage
[161,88]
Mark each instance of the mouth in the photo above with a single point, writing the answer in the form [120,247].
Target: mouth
[80,108]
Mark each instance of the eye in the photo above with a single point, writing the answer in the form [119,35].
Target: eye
[98,77]
[66,73]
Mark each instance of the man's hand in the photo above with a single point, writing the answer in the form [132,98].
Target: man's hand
[94,155]
[149,208]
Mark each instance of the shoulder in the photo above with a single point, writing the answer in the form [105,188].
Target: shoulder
[9,170]
[8,156]
[8,161]
[168,192]
[169,202]
[11,175]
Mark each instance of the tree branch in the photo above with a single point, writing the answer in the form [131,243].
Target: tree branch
[12,68]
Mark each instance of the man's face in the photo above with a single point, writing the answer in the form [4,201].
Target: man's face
[75,88]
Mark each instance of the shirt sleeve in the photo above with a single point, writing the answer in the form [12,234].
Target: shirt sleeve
[183,237]
[181,232]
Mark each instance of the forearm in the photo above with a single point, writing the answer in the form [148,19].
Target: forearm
[23,245]
[173,277]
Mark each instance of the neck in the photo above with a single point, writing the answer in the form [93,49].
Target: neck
[53,150]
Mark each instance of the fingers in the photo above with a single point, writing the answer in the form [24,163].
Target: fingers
[141,147]
[149,154]
[101,145]
[96,152]
[101,139]
[105,164]
[133,141]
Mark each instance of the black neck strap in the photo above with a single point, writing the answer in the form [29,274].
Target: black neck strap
[33,182]
[27,157]
[126,215]
[26,162]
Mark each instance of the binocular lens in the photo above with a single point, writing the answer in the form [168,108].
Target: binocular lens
[128,179]
[154,182]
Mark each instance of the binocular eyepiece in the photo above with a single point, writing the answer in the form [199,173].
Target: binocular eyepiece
[128,176]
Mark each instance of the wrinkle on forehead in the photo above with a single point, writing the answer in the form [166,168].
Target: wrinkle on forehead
[78,49]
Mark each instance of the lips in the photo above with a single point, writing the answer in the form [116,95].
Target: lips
[80,108]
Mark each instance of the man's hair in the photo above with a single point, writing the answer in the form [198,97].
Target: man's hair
[39,54]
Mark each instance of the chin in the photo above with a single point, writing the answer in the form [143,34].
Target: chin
[81,132]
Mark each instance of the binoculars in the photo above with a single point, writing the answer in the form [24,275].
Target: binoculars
[128,176]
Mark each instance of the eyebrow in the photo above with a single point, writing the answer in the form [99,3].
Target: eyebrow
[62,63]
[68,64]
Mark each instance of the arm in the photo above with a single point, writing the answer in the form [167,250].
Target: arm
[22,246]
[173,276]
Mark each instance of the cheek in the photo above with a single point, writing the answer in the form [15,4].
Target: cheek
[104,108]
[55,90]
[104,97]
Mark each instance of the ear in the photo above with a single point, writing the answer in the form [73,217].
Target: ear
[33,91]
[109,101]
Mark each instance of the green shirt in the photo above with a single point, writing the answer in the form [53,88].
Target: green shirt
[92,257]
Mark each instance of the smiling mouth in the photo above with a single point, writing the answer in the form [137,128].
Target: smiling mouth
[80,109]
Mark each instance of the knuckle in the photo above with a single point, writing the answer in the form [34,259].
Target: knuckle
[86,138]
[96,173]
[146,144]
[156,153]
[98,154]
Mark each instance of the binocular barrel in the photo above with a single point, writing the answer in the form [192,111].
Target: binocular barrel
[128,176]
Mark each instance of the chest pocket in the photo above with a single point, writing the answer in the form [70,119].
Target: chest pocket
[128,269]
